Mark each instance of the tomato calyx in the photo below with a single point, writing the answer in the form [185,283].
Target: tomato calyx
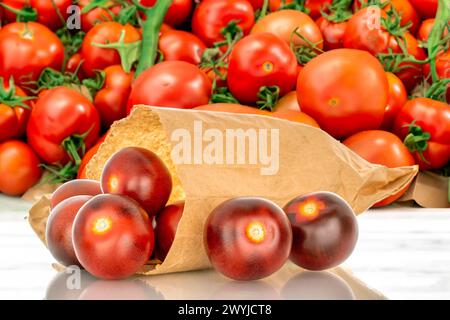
[298,5]
[25,14]
[71,41]
[306,51]
[9,96]
[339,11]
[438,90]
[417,140]
[222,95]
[268,97]
[104,4]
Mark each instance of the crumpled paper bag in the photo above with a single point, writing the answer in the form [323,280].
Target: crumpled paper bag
[309,160]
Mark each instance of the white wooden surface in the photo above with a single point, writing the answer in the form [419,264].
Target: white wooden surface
[403,253]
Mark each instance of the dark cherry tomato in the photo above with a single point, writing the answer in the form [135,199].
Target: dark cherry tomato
[58,234]
[283,23]
[96,58]
[178,11]
[26,49]
[332,32]
[80,187]
[381,147]
[175,84]
[111,100]
[324,230]
[247,238]
[211,16]
[112,236]
[139,174]
[166,228]
[261,60]
[397,97]
[19,168]
[181,46]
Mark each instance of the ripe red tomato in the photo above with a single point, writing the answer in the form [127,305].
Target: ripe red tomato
[58,234]
[13,117]
[26,49]
[112,236]
[47,11]
[351,98]
[256,4]
[429,117]
[425,8]
[296,116]
[233,108]
[247,238]
[332,32]
[96,58]
[397,97]
[284,23]
[314,6]
[425,29]
[175,84]
[324,230]
[97,15]
[88,156]
[381,147]
[211,16]
[79,187]
[166,228]
[260,60]
[19,168]
[111,100]
[59,116]
[288,102]
[181,46]
[73,65]
[178,11]
[139,174]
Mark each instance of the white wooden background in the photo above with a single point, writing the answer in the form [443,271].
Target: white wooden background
[404,253]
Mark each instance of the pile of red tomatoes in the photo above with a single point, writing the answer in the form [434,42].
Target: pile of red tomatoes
[371,73]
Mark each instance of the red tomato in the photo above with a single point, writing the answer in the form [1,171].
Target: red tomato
[296,116]
[247,238]
[381,147]
[233,108]
[79,187]
[88,156]
[432,117]
[19,168]
[26,49]
[181,46]
[314,6]
[361,34]
[332,32]
[112,236]
[397,97]
[13,117]
[425,29]
[351,98]
[73,65]
[288,102]
[256,4]
[324,230]
[139,174]
[97,15]
[166,228]
[178,11]
[96,58]
[284,23]
[61,115]
[175,84]
[211,16]
[58,234]
[425,8]
[260,60]
[45,9]
[111,100]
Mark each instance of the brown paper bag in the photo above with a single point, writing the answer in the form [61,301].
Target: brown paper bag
[309,160]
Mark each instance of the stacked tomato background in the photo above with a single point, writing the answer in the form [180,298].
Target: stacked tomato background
[372,73]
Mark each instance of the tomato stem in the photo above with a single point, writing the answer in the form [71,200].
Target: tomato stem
[9,96]
[417,140]
[150,34]
[25,14]
[340,11]
[268,97]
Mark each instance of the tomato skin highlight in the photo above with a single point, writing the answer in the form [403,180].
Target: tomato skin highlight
[381,147]
[112,236]
[19,168]
[260,60]
[192,86]
[139,174]
[211,16]
[79,187]
[26,49]
[351,98]
[58,234]
[247,238]
[60,113]
[166,227]
[324,230]
[181,46]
